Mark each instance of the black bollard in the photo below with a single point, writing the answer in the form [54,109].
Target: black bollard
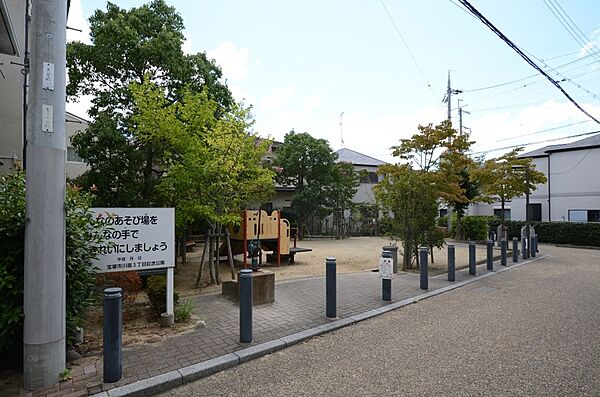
[113,324]
[246,297]
[503,244]
[515,249]
[330,288]
[533,245]
[386,269]
[451,263]
[423,263]
[490,255]
[472,264]
[524,248]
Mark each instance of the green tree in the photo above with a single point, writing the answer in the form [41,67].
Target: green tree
[507,176]
[434,161]
[83,236]
[129,46]
[340,194]
[307,164]
[410,195]
[213,166]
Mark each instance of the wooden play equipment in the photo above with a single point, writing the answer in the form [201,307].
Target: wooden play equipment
[272,230]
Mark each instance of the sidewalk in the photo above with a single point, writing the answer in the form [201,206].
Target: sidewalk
[299,306]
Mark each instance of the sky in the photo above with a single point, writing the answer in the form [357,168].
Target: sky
[301,64]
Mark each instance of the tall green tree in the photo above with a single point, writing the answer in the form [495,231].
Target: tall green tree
[434,158]
[213,166]
[508,176]
[307,164]
[131,46]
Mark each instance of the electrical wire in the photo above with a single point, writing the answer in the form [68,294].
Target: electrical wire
[535,143]
[486,22]
[533,133]
[408,49]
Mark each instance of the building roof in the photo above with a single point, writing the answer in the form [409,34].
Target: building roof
[586,143]
[355,158]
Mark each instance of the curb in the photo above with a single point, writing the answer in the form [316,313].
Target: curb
[163,382]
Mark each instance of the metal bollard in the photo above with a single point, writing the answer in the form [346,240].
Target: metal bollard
[503,244]
[394,251]
[451,262]
[112,333]
[246,297]
[490,255]
[472,264]
[524,248]
[533,245]
[386,267]
[330,288]
[423,257]
[515,249]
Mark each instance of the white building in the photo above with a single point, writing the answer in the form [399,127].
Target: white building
[572,191]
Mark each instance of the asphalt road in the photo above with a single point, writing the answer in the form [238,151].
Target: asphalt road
[532,331]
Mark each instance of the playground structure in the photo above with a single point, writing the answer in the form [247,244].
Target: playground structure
[272,230]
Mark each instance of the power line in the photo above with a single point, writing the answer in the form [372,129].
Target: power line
[535,143]
[486,22]
[533,133]
[408,49]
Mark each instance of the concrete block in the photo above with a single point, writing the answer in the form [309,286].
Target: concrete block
[209,367]
[301,336]
[147,387]
[263,288]
[263,349]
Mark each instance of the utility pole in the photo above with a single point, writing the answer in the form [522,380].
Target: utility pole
[44,287]
[448,99]
[460,118]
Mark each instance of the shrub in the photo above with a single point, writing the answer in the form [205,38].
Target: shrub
[586,234]
[130,282]
[83,235]
[475,227]
[183,312]
[157,294]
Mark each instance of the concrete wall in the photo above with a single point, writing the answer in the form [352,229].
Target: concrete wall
[365,194]
[11,100]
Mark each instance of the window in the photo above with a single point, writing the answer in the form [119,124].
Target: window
[535,212]
[369,177]
[73,156]
[498,213]
[443,212]
[584,216]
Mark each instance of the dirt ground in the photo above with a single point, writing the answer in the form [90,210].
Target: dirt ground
[355,254]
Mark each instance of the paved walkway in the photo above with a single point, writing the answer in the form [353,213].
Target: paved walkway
[299,305]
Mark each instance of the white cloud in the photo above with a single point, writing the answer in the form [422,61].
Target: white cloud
[592,45]
[312,101]
[77,21]
[277,98]
[233,61]
[508,129]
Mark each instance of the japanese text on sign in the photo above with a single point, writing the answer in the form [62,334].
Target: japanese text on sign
[136,239]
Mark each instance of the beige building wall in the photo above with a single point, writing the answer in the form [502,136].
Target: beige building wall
[11,99]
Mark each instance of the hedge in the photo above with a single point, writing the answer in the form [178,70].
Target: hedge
[585,234]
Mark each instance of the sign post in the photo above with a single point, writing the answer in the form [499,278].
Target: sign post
[139,239]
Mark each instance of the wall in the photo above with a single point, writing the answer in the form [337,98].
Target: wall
[11,100]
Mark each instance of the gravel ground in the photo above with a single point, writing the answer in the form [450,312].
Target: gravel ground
[532,331]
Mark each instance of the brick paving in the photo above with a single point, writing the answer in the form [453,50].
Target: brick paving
[299,305]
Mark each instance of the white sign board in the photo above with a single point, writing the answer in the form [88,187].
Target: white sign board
[386,268]
[137,239]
